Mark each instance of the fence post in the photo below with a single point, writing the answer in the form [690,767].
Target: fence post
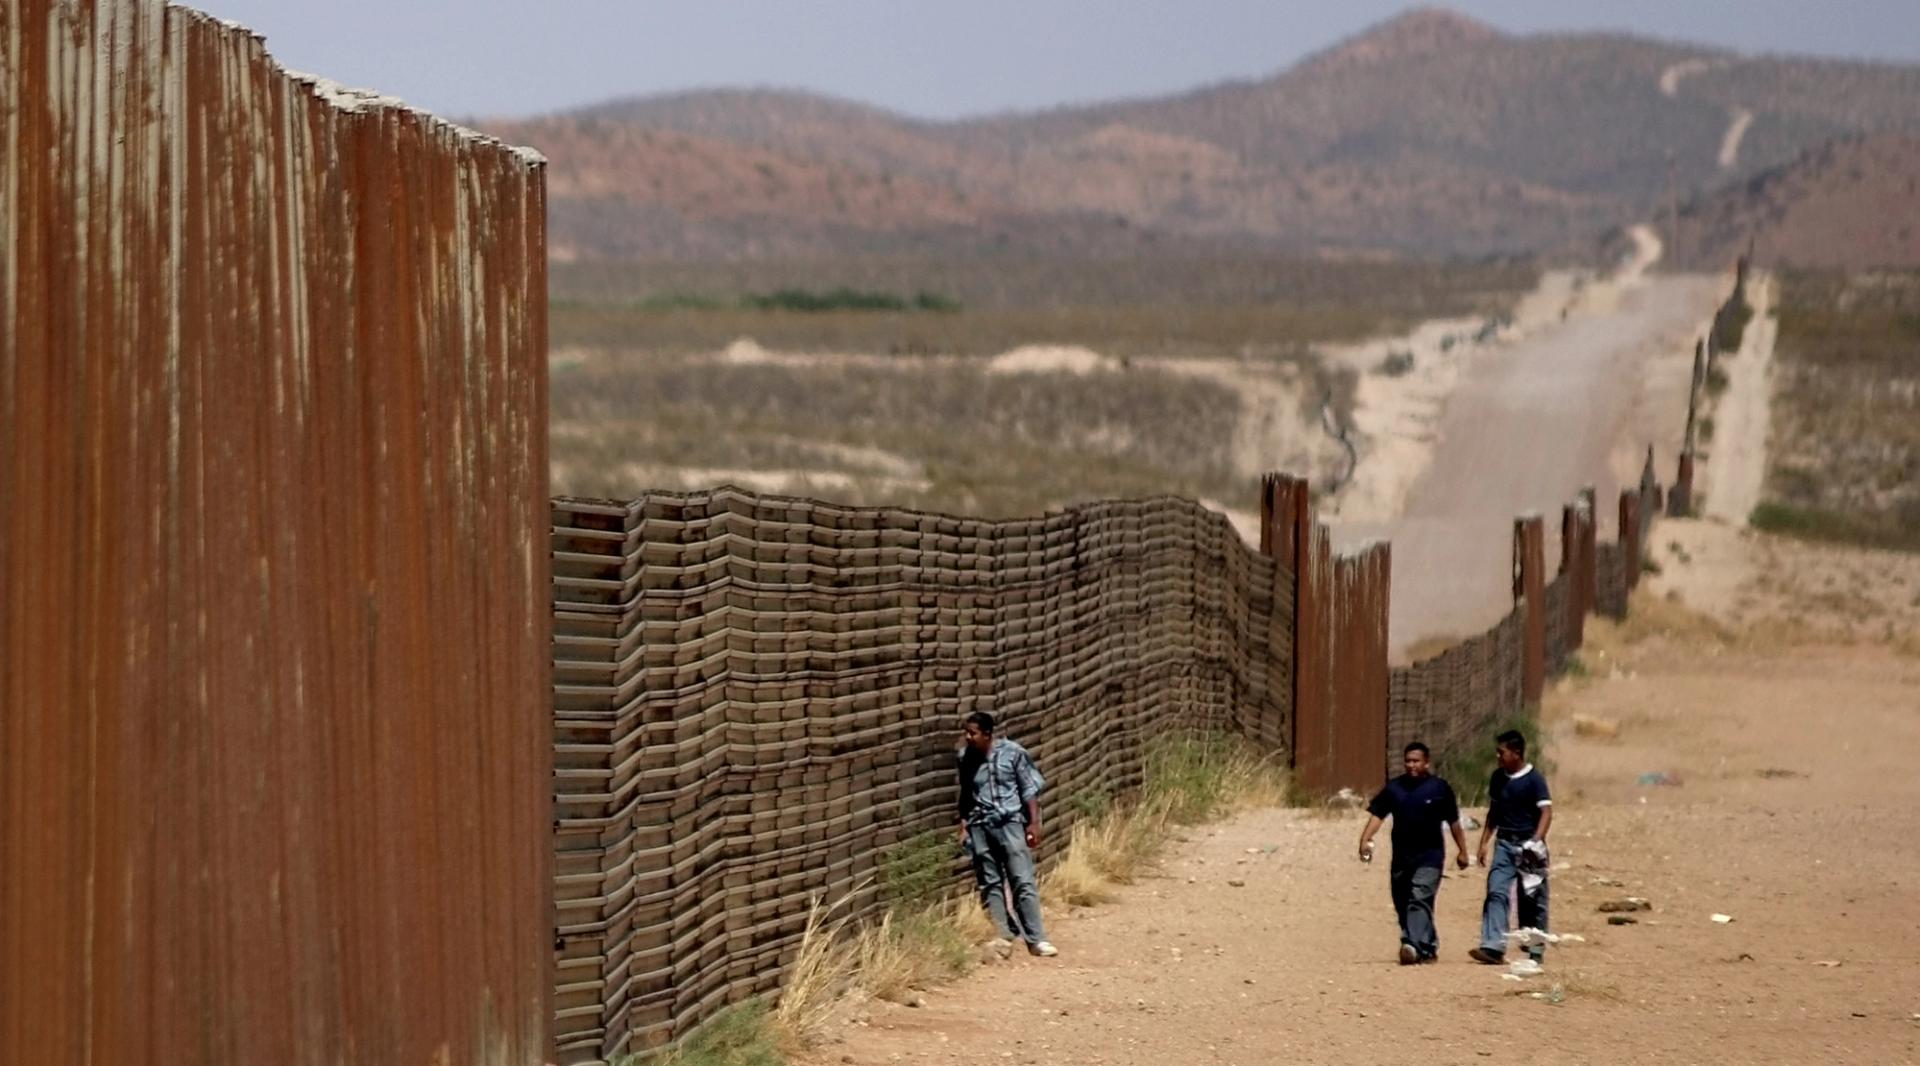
[1358,692]
[1570,566]
[1530,589]
[1693,390]
[1680,500]
[1587,578]
[1286,536]
[1630,538]
[1313,637]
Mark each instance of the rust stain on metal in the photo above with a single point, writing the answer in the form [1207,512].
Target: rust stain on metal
[274,769]
[1339,641]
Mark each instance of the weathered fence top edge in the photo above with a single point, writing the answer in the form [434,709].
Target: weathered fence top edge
[625,507]
[355,100]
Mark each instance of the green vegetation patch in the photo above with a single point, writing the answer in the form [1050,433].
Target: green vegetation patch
[740,1035]
[916,872]
[1192,776]
[847,299]
[1468,766]
[1161,306]
[1833,527]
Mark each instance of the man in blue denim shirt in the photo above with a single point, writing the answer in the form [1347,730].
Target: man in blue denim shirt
[1519,812]
[1000,827]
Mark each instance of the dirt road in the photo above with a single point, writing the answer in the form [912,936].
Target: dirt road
[1794,813]
[1524,428]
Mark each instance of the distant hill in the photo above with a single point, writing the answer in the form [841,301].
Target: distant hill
[1430,133]
[1851,203]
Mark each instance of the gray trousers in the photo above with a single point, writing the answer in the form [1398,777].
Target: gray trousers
[1001,859]
[1413,890]
[1503,884]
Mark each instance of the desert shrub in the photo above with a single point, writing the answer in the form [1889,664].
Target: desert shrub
[1844,453]
[1468,766]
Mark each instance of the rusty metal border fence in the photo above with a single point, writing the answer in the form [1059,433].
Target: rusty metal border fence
[1450,700]
[757,699]
[274,775]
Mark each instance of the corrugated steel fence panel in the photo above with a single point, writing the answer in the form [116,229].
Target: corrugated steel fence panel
[274,769]
[758,697]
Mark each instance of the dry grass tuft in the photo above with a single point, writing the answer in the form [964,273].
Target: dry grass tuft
[817,982]
[1105,854]
[916,949]
[1778,633]
[916,945]
[1194,777]
[1189,779]
[1650,616]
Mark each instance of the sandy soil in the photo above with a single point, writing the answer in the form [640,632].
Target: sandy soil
[1050,359]
[1791,809]
[1572,402]
[1735,469]
[1783,591]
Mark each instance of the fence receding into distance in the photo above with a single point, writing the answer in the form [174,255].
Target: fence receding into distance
[757,698]
[327,736]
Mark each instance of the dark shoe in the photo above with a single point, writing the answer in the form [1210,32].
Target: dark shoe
[1408,955]
[1490,958]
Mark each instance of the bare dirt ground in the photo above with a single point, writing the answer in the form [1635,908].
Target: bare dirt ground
[1792,808]
[1572,403]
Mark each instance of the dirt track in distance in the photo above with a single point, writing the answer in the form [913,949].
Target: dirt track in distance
[1527,425]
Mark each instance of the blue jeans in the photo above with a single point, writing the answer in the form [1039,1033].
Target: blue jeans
[1503,880]
[1413,892]
[1001,858]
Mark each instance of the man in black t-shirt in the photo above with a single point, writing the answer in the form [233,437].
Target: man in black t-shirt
[1421,806]
[1519,812]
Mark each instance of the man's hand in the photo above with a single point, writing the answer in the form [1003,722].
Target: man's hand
[1033,835]
[1484,852]
[1366,851]
[1460,859]
[963,834]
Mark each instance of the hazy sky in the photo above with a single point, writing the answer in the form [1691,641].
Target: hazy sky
[938,58]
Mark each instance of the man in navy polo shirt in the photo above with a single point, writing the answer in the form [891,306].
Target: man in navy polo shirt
[1421,806]
[1519,812]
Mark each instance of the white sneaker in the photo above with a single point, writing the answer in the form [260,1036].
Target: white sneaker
[1044,949]
[1525,968]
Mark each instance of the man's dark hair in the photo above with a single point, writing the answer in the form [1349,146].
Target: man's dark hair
[1419,747]
[1512,741]
[983,720]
